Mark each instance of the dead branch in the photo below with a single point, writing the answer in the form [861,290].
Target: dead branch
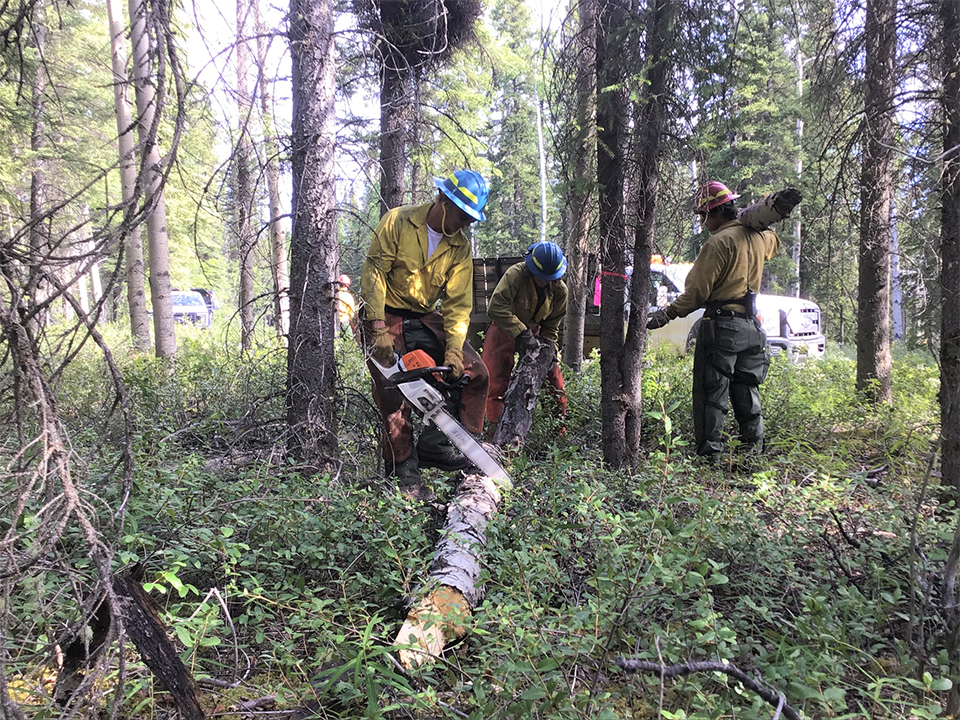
[776,699]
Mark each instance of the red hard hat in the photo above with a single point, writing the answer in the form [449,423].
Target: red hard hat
[712,195]
[344,280]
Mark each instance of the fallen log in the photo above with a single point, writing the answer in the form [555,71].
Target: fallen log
[451,593]
[82,652]
[142,622]
[769,209]
[520,400]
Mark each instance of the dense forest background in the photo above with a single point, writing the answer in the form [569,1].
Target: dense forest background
[224,483]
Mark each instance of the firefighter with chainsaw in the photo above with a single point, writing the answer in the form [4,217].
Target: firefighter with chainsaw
[419,257]
[527,308]
[731,357]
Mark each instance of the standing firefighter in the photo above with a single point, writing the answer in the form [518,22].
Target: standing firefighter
[346,303]
[529,302]
[419,257]
[731,358]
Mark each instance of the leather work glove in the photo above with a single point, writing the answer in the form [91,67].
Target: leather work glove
[453,357]
[383,347]
[527,342]
[786,200]
[659,318]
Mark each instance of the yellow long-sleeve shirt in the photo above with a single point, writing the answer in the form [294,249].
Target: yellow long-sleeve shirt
[729,263]
[513,305]
[397,272]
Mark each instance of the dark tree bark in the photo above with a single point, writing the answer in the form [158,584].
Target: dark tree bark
[396,119]
[243,190]
[39,234]
[578,284]
[520,399]
[612,111]
[146,629]
[311,375]
[650,123]
[950,250]
[950,321]
[876,193]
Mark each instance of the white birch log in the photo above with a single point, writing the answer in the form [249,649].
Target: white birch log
[452,592]
[769,209]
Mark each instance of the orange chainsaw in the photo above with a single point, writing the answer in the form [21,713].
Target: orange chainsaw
[422,383]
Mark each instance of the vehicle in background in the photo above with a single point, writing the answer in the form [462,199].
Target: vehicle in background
[189,306]
[208,298]
[792,325]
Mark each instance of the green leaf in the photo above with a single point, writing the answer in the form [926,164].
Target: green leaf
[533,693]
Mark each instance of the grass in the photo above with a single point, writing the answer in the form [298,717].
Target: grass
[792,566]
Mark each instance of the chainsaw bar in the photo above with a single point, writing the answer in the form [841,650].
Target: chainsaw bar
[429,401]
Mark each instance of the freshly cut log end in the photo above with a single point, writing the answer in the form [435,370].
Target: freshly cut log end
[436,621]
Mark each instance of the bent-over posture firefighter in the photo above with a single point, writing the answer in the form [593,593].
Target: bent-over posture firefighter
[527,307]
[731,357]
[420,257]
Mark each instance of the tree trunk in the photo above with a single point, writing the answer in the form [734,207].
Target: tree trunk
[278,243]
[611,170]
[130,231]
[896,302]
[950,321]
[876,193]
[580,197]
[243,191]
[39,232]
[396,115]
[152,172]
[520,399]
[650,122]
[797,224]
[440,617]
[311,374]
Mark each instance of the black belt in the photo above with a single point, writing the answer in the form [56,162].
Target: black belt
[720,312]
[405,314]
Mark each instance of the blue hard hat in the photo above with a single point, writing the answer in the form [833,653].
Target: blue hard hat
[546,261]
[468,191]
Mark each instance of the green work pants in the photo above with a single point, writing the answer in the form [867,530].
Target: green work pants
[729,363]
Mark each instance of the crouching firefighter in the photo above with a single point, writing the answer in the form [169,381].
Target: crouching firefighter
[419,257]
[527,308]
[731,357]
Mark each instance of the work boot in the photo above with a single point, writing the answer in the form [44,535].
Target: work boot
[406,472]
[435,450]
[409,483]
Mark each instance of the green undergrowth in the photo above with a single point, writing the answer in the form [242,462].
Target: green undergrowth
[793,565]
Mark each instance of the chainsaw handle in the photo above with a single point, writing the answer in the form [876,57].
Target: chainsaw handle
[430,374]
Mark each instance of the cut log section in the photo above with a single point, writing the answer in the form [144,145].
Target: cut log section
[451,593]
[769,209]
[520,400]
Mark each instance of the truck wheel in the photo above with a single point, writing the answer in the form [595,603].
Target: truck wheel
[692,336]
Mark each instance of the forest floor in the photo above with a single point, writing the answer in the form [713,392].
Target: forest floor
[290,585]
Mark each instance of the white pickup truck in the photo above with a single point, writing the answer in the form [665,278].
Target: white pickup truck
[792,325]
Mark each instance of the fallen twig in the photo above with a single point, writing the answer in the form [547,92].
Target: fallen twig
[684,669]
